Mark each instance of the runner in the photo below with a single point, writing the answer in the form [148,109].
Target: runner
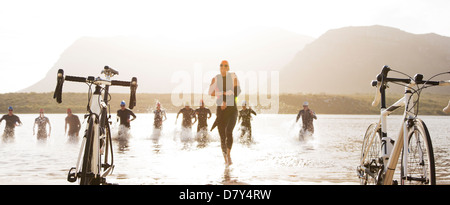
[225,87]
[307,116]
[203,114]
[74,125]
[160,116]
[11,122]
[42,122]
[124,115]
[188,115]
[246,126]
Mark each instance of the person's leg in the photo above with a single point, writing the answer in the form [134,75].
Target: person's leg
[231,123]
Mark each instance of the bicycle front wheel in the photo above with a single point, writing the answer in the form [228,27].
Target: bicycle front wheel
[418,167]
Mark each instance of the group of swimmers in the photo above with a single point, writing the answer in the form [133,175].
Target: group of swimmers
[224,87]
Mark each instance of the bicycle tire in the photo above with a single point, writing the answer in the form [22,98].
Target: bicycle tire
[86,178]
[372,166]
[421,164]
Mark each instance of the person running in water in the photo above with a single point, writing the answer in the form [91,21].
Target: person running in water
[225,87]
[246,126]
[188,114]
[124,115]
[307,116]
[42,122]
[160,116]
[203,114]
[74,125]
[11,122]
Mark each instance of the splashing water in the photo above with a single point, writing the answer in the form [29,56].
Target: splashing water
[275,156]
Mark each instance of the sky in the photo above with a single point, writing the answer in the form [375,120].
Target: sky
[33,34]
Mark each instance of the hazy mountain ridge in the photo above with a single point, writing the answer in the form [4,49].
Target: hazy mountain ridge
[346,60]
[154,60]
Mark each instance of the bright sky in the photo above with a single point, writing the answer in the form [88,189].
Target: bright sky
[34,33]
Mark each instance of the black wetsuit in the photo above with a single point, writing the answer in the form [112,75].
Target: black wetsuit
[226,119]
[307,119]
[203,114]
[124,116]
[10,124]
[157,120]
[74,125]
[188,114]
[246,117]
[42,124]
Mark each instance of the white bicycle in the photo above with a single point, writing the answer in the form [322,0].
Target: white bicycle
[380,153]
[96,145]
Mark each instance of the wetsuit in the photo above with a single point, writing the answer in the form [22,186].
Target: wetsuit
[203,114]
[10,124]
[188,114]
[246,118]
[226,119]
[307,119]
[74,125]
[124,116]
[157,120]
[42,123]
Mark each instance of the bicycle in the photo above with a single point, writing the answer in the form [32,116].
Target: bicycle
[380,153]
[96,145]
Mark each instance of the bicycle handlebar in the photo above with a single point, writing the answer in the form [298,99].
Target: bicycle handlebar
[61,78]
[382,80]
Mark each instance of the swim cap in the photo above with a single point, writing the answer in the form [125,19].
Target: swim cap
[41,110]
[305,103]
[122,103]
[69,110]
[201,102]
[244,103]
[10,108]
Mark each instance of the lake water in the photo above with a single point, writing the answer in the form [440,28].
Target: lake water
[276,156]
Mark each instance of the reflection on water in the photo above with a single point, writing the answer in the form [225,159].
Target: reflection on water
[173,156]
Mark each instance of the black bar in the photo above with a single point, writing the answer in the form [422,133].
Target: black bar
[75,79]
[121,83]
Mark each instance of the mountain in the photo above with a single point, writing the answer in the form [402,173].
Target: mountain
[158,61]
[346,60]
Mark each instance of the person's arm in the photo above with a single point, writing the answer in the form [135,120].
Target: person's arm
[178,114]
[18,122]
[78,124]
[164,115]
[209,113]
[252,111]
[239,117]
[195,117]
[314,114]
[65,127]
[299,115]
[237,86]
[34,127]
[212,87]
[132,114]
[49,127]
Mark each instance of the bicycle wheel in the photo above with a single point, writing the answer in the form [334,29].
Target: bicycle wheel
[370,155]
[87,176]
[420,165]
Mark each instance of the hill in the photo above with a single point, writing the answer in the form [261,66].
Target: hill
[155,60]
[346,60]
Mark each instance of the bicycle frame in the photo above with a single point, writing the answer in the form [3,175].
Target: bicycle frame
[391,149]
